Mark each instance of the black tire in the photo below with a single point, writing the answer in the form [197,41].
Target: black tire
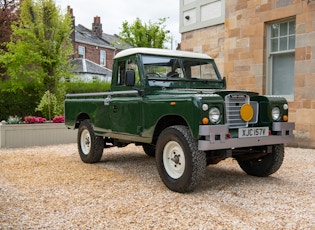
[90,146]
[266,165]
[149,150]
[179,162]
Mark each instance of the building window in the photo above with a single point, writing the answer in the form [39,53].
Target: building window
[81,51]
[197,14]
[281,56]
[102,57]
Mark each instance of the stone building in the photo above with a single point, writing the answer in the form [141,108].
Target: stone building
[266,46]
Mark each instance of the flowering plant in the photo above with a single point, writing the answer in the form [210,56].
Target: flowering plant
[33,119]
[58,119]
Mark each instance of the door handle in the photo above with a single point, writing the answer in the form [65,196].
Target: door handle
[115,108]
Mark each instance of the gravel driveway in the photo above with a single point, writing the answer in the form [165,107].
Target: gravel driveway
[49,187]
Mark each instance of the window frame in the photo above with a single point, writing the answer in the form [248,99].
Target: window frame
[103,57]
[270,54]
[81,48]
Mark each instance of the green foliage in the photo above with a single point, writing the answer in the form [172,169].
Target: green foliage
[24,102]
[49,106]
[20,103]
[87,87]
[139,34]
[39,50]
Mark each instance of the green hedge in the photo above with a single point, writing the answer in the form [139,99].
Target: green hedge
[82,87]
[21,103]
[24,103]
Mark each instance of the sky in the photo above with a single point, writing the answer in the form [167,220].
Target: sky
[114,13]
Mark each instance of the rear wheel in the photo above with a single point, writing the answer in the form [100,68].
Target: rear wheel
[180,164]
[266,165]
[90,146]
[149,149]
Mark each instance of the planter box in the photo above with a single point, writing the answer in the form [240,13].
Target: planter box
[22,135]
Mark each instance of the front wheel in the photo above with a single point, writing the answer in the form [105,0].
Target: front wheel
[266,165]
[90,146]
[180,164]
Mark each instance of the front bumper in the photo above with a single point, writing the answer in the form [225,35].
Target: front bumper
[214,137]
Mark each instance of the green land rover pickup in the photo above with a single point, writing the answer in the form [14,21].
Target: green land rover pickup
[175,105]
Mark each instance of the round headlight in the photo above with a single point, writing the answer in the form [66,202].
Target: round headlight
[275,113]
[214,115]
[285,106]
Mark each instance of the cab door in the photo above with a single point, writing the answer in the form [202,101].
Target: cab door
[125,106]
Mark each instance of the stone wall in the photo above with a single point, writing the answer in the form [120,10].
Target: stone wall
[22,135]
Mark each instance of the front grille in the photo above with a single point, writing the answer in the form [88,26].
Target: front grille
[233,104]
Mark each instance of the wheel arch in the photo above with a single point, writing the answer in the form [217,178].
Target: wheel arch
[167,121]
[81,117]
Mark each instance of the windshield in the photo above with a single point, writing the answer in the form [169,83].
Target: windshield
[179,68]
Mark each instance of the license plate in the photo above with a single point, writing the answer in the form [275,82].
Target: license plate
[253,132]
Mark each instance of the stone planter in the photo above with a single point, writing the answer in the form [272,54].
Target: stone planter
[22,135]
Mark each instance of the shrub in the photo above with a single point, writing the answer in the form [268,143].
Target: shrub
[86,87]
[14,120]
[48,105]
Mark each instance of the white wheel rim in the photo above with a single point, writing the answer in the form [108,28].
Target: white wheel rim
[174,159]
[85,142]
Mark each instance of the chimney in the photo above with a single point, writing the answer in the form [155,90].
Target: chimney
[72,35]
[97,27]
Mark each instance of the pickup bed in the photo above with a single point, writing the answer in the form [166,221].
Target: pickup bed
[175,104]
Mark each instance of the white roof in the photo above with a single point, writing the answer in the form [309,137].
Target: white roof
[161,52]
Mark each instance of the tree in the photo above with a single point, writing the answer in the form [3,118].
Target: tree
[39,50]
[8,15]
[139,34]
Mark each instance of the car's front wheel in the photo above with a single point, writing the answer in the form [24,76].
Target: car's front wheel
[180,164]
[266,165]
[90,146]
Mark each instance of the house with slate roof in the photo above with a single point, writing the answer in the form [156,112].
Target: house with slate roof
[90,71]
[94,51]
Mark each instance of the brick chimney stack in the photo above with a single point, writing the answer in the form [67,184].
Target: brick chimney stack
[72,35]
[97,26]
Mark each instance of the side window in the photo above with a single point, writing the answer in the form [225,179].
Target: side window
[123,66]
[121,73]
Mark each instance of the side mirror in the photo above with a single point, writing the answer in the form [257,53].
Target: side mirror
[130,78]
[224,83]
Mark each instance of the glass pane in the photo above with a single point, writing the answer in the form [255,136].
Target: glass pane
[291,42]
[283,74]
[283,29]
[292,27]
[283,43]
[274,45]
[275,30]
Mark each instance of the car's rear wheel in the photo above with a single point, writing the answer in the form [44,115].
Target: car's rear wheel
[149,149]
[180,164]
[90,146]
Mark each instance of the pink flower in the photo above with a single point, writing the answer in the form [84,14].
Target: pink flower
[58,119]
[33,119]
